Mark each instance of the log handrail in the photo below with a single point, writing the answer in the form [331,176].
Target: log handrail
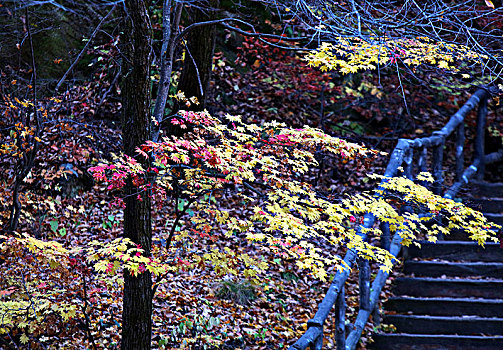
[403,154]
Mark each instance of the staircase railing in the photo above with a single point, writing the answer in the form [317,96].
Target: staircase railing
[403,154]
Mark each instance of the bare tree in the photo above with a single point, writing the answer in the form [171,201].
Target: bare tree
[472,23]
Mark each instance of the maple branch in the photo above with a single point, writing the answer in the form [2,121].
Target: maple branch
[195,67]
[170,237]
[12,340]
[253,189]
[29,154]
[86,315]
[224,23]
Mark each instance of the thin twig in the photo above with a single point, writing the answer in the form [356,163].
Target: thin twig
[112,84]
[79,56]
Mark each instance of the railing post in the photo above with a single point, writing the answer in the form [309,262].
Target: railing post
[385,244]
[408,159]
[318,344]
[364,281]
[340,319]
[480,137]
[438,157]
[438,175]
[423,158]
[460,154]
[422,166]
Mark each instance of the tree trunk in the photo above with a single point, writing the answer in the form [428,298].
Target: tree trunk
[136,45]
[200,47]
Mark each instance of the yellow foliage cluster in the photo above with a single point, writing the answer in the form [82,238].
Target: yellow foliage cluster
[350,55]
[265,166]
[25,299]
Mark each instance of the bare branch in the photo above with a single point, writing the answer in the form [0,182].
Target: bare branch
[79,56]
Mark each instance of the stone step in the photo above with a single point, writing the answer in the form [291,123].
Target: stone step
[487,189]
[435,342]
[485,205]
[496,218]
[456,251]
[446,306]
[443,287]
[460,269]
[458,235]
[426,324]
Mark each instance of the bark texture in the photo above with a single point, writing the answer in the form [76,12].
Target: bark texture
[136,45]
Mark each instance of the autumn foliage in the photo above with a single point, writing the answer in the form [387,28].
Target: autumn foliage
[262,167]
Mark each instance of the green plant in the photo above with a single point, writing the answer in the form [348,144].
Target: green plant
[194,332]
[243,292]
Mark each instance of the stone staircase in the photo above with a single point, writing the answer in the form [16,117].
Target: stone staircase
[452,294]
